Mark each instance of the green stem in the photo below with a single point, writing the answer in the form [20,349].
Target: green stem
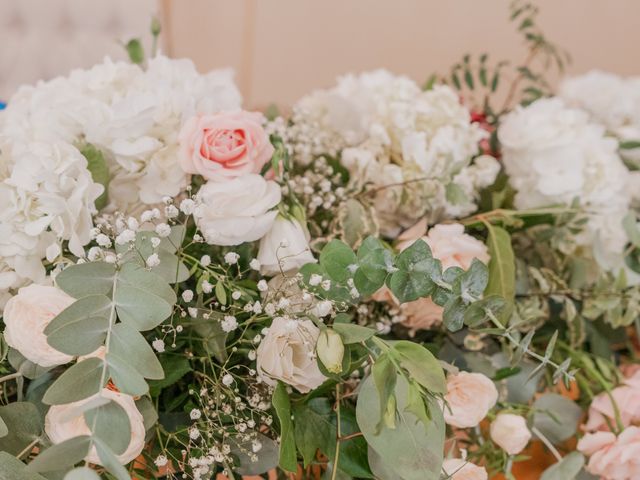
[334,470]
[10,377]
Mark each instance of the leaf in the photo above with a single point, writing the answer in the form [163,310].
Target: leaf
[143,299]
[4,430]
[453,315]
[125,377]
[374,263]
[148,411]
[631,228]
[110,462]
[13,469]
[82,473]
[97,165]
[416,268]
[175,367]
[128,344]
[280,401]
[135,51]
[61,455]
[93,278]
[352,333]
[477,313]
[110,423]
[502,270]
[473,281]
[422,366]
[313,429]
[25,367]
[23,425]
[338,260]
[221,293]
[356,221]
[80,381]
[384,376]
[81,327]
[557,417]
[412,450]
[267,457]
[416,405]
[353,459]
[630,144]
[566,469]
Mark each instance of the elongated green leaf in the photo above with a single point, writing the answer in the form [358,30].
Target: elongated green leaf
[61,455]
[502,267]
[422,366]
[411,450]
[125,376]
[128,344]
[143,299]
[93,278]
[97,165]
[13,469]
[23,425]
[82,473]
[566,469]
[25,367]
[557,417]
[82,327]
[4,430]
[280,401]
[385,377]
[77,383]
[109,460]
[267,459]
[313,428]
[110,423]
[352,333]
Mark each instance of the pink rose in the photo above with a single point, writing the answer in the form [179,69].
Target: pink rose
[224,145]
[459,469]
[510,432]
[469,398]
[613,458]
[627,398]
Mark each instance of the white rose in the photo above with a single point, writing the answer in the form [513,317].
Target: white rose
[63,422]
[287,353]
[238,210]
[27,315]
[510,432]
[285,247]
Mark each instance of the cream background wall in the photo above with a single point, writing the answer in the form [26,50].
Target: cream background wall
[284,48]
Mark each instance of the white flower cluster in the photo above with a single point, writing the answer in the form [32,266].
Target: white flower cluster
[553,155]
[132,115]
[610,100]
[389,131]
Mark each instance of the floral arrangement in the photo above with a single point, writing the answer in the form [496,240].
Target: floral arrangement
[393,282]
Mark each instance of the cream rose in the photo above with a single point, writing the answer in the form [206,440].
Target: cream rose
[469,398]
[459,469]
[224,145]
[287,353]
[236,211]
[284,248]
[27,315]
[63,422]
[510,432]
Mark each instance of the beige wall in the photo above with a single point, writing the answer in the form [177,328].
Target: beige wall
[284,48]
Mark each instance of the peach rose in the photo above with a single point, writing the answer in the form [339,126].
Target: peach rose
[27,315]
[510,432]
[627,398]
[286,353]
[613,458]
[459,469]
[63,422]
[469,398]
[224,145]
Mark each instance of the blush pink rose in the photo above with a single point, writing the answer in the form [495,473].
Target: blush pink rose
[510,432]
[224,145]
[469,398]
[627,399]
[613,458]
[459,469]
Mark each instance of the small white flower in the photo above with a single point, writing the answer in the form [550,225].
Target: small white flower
[205,261]
[315,279]
[94,253]
[179,328]
[257,307]
[193,312]
[194,433]
[227,379]
[236,294]
[187,295]
[323,308]
[256,446]
[187,206]
[103,240]
[127,236]
[161,461]
[231,258]
[132,224]
[110,257]
[171,211]
[153,260]
[262,285]
[195,414]
[206,287]
[326,285]
[251,355]
[254,264]
[155,242]
[163,230]
[229,324]
[146,216]
[158,345]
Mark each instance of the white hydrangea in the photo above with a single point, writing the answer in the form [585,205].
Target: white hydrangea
[132,115]
[553,155]
[389,131]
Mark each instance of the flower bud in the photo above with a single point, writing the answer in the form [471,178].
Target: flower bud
[330,350]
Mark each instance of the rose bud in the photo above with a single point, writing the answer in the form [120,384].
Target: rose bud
[330,350]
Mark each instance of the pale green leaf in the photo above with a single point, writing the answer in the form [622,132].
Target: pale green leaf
[125,376]
[422,366]
[288,459]
[502,267]
[13,469]
[128,344]
[77,383]
[23,425]
[110,423]
[61,455]
[97,165]
[82,473]
[109,460]
[338,260]
[352,333]
[566,469]
[92,278]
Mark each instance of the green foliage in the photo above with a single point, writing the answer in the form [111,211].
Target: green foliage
[61,455]
[13,469]
[566,469]
[81,381]
[351,333]
[23,425]
[97,165]
[557,417]
[421,365]
[502,267]
[416,269]
[282,406]
[374,264]
[135,51]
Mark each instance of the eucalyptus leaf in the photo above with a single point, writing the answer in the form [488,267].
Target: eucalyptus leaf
[13,469]
[125,376]
[97,165]
[25,367]
[4,430]
[110,423]
[566,469]
[81,381]
[61,455]
[313,428]
[416,268]
[92,278]
[338,259]
[374,263]
[352,333]
[267,457]
[557,417]
[127,343]
[421,365]
[110,462]
[23,424]
[82,473]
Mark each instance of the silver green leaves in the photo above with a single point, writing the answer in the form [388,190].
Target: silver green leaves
[416,268]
